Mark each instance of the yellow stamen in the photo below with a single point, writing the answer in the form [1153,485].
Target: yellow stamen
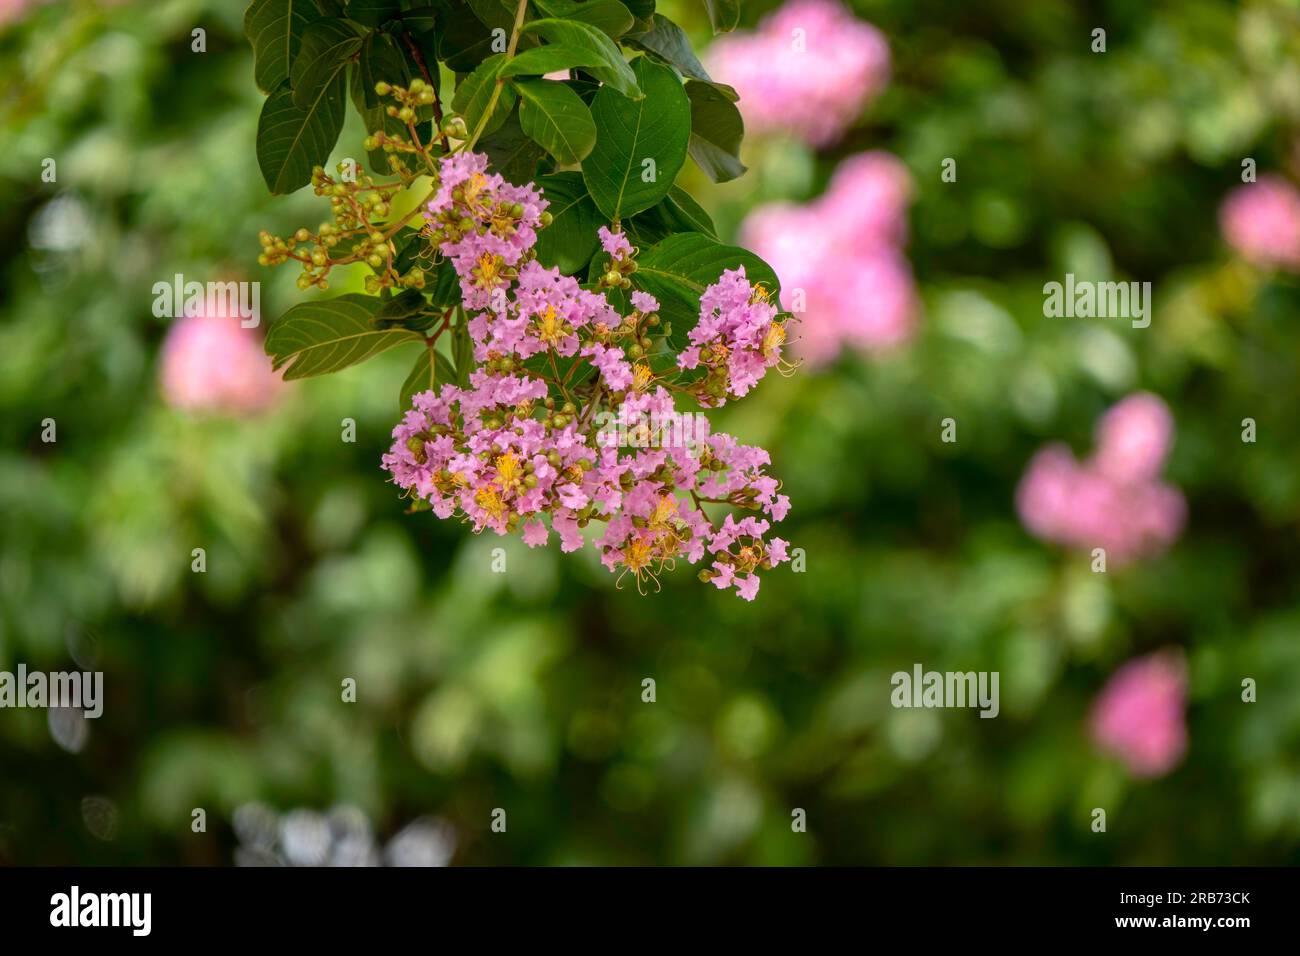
[489,268]
[507,469]
[641,376]
[637,554]
[550,326]
[488,499]
[773,340]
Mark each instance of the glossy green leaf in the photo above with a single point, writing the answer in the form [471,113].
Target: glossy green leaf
[475,93]
[555,118]
[378,59]
[716,131]
[275,28]
[552,57]
[614,70]
[325,336]
[430,372]
[608,16]
[669,42]
[511,152]
[291,140]
[327,48]
[640,145]
[570,240]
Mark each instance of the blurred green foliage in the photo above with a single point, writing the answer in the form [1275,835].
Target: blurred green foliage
[523,690]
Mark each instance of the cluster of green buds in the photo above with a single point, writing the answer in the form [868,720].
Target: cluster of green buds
[358,205]
[410,106]
[617,272]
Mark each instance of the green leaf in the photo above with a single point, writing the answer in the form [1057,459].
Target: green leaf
[511,152]
[475,93]
[552,57]
[275,28]
[430,369]
[681,267]
[327,46]
[464,40]
[640,145]
[677,212]
[378,60]
[614,70]
[494,13]
[724,15]
[555,118]
[608,16]
[570,240]
[462,351]
[291,140]
[373,12]
[716,131]
[321,337]
[641,9]
[407,310]
[669,42]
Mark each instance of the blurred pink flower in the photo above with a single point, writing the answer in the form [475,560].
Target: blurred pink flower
[839,260]
[1139,714]
[808,70]
[1261,221]
[1134,438]
[213,364]
[1114,500]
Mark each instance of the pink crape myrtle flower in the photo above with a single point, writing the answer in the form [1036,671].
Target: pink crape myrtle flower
[808,70]
[524,447]
[214,364]
[1261,221]
[1139,714]
[1115,499]
[843,273]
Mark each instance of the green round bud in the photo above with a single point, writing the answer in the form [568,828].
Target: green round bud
[382,88]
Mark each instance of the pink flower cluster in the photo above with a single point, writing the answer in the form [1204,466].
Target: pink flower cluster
[1139,715]
[1114,500]
[809,70]
[520,449]
[213,364]
[483,224]
[1261,221]
[737,339]
[843,272]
